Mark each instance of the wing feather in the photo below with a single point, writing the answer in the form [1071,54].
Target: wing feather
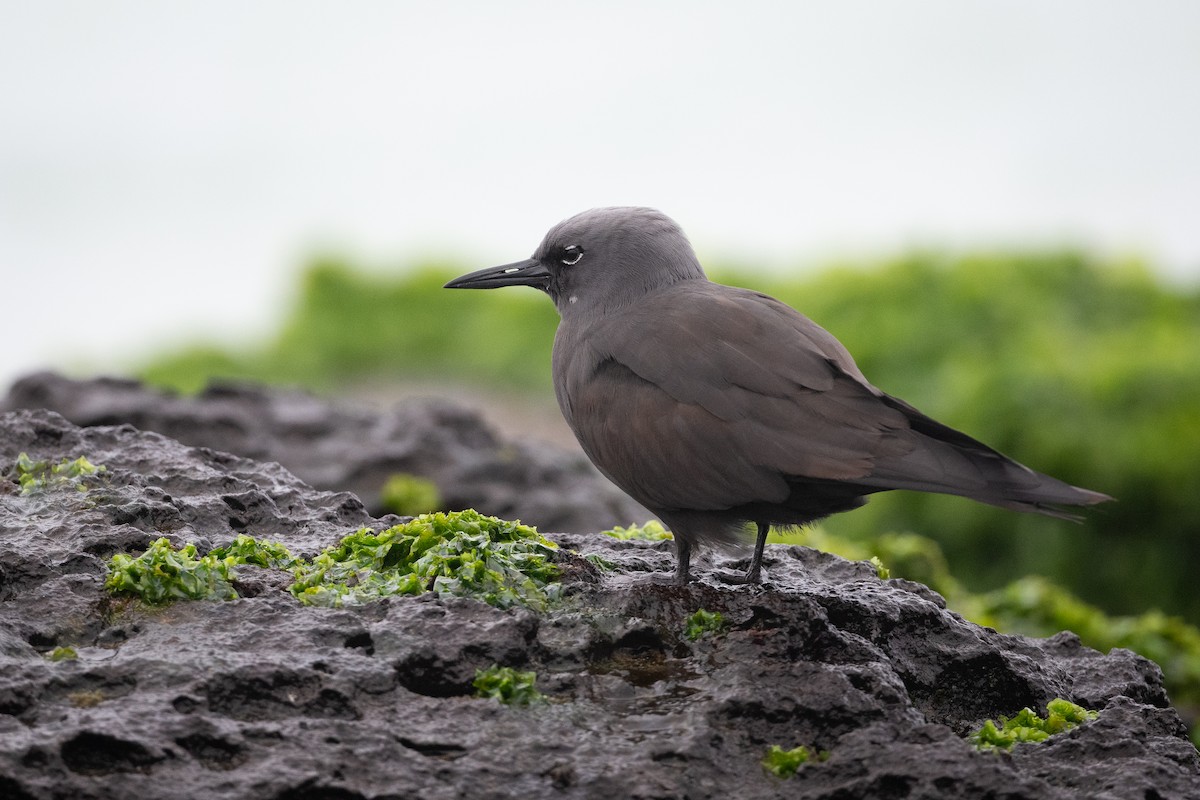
[726,398]
[707,397]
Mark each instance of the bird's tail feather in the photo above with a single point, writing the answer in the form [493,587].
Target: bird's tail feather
[940,459]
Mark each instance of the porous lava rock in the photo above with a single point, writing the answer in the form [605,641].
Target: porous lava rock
[346,447]
[264,697]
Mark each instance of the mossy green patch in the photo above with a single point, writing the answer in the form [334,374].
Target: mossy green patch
[36,476]
[261,553]
[462,553]
[1026,726]
[163,573]
[67,653]
[509,686]
[408,495]
[785,763]
[651,531]
[703,623]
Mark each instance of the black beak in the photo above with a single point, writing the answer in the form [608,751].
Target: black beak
[522,273]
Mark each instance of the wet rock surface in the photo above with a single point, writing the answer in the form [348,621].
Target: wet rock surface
[346,447]
[264,697]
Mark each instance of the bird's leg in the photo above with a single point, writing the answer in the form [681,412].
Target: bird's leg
[754,574]
[683,559]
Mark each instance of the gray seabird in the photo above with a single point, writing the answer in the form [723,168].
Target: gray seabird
[715,406]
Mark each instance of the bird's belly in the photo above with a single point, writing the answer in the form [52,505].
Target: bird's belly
[663,453]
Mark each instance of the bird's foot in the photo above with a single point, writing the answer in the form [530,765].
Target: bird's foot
[666,579]
[752,577]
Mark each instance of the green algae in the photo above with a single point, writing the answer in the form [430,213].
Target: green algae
[462,554]
[37,476]
[1026,726]
[409,495]
[163,573]
[261,553]
[704,623]
[65,653]
[652,531]
[785,763]
[507,685]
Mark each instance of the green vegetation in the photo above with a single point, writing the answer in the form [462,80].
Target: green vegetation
[1083,369]
[67,653]
[409,495]
[652,531]
[261,553]
[509,686]
[883,572]
[36,476]
[162,574]
[703,623]
[1026,726]
[785,763]
[462,553]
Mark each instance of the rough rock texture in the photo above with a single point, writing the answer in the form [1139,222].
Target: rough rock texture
[342,447]
[262,697]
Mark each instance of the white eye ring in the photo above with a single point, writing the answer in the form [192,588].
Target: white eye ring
[574,250]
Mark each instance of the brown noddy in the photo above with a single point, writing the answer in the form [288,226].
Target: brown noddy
[715,406]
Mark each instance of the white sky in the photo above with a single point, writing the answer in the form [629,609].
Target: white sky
[165,166]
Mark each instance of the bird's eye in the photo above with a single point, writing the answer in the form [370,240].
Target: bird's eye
[572,254]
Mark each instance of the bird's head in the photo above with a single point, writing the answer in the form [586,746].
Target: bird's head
[601,259]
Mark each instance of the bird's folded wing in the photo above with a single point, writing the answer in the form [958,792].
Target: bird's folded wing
[719,397]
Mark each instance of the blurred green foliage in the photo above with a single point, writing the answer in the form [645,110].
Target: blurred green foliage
[349,325]
[652,531]
[1085,370]
[408,495]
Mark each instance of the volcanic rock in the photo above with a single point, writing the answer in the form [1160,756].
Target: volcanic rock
[341,446]
[264,697]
